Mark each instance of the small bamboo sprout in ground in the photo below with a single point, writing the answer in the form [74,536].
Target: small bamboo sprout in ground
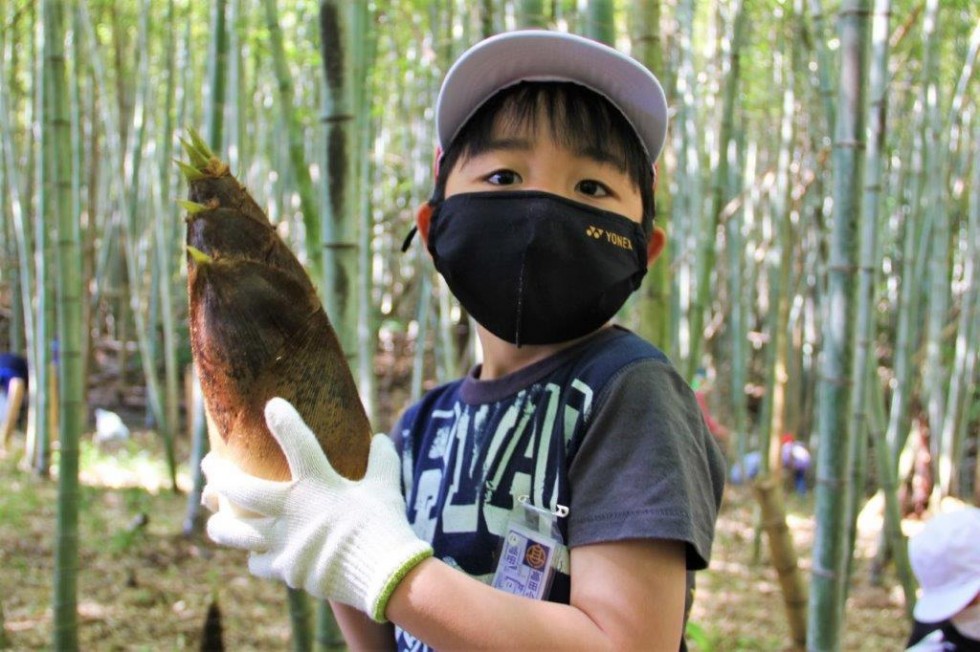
[258,330]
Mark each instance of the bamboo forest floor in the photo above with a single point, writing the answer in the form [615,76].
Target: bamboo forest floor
[143,586]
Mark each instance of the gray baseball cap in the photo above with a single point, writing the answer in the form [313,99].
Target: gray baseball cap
[540,55]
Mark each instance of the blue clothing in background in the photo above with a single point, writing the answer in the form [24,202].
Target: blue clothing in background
[11,366]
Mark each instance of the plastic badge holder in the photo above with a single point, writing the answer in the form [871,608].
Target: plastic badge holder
[532,550]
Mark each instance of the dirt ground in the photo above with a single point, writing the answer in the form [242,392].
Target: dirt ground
[143,585]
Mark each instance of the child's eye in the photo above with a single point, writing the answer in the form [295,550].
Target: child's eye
[503,178]
[593,188]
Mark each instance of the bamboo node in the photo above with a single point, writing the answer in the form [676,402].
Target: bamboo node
[820,572]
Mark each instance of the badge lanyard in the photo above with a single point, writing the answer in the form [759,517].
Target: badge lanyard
[532,550]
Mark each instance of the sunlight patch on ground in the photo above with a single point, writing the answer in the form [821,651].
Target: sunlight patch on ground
[137,463]
[116,475]
[26,624]
[93,610]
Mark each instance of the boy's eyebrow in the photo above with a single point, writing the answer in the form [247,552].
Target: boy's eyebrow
[597,154]
[509,144]
[600,155]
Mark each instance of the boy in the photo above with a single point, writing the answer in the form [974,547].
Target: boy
[573,465]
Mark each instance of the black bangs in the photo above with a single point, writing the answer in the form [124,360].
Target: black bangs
[578,119]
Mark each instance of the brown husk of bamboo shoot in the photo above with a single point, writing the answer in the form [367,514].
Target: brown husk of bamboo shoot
[257,331]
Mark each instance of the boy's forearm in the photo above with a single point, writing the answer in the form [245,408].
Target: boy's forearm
[450,610]
[447,609]
[360,632]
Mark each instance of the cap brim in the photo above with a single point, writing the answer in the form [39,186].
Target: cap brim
[535,55]
[941,604]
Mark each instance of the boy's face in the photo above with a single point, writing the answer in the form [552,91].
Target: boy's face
[523,154]
[522,151]
[524,158]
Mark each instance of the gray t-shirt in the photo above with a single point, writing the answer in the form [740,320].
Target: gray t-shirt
[607,428]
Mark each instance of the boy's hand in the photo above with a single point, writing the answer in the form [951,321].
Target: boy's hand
[339,539]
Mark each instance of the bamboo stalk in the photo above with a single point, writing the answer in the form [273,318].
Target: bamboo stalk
[935,161]
[863,370]
[43,228]
[951,436]
[784,558]
[295,138]
[826,614]
[166,244]
[687,205]
[69,402]
[708,250]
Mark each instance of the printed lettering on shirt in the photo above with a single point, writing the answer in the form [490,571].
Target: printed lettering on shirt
[480,457]
[460,511]
[577,408]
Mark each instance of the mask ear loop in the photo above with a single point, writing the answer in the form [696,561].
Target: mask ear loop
[407,242]
[436,162]
[653,199]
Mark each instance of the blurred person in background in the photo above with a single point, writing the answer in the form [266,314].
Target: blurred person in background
[702,386]
[796,460]
[13,391]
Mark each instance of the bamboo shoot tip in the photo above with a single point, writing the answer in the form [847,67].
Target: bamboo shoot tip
[192,207]
[198,256]
[191,173]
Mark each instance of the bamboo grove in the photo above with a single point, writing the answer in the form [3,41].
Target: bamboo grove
[819,190]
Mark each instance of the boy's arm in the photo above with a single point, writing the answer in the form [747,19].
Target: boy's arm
[349,541]
[625,595]
[360,632]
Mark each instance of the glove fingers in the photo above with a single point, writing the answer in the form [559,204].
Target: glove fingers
[209,498]
[252,494]
[383,459]
[260,564]
[297,441]
[246,534]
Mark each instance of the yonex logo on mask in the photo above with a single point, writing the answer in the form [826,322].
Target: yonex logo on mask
[612,238]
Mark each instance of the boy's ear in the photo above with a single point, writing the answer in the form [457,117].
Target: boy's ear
[655,247]
[436,162]
[422,218]
[658,238]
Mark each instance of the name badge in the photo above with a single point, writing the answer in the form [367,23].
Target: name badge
[532,550]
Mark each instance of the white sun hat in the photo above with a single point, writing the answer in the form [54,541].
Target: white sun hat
[540,55]
[945,556]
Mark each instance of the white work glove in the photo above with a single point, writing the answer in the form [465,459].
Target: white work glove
[336,538]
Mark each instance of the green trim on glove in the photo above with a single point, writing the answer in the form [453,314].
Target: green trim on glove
[381,603]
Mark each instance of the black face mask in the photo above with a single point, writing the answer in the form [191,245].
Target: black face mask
[533,267]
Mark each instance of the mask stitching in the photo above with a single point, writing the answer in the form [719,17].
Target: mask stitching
[520,279]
